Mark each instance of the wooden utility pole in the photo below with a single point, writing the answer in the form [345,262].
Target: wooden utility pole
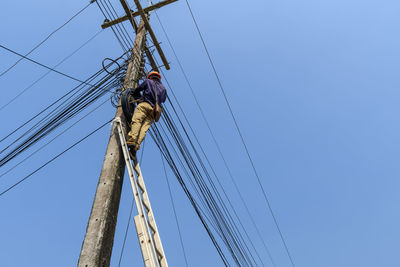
[98,243]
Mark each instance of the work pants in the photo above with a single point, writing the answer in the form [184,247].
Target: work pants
[141,121]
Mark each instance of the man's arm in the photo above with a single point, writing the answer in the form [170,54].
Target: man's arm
[141,86]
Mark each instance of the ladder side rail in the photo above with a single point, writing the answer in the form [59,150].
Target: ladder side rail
[151,217]
[136,192]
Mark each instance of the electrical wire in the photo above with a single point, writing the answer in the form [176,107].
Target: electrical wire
[119,31]
[49,142]
[175,213]
[62,113]
[241,243]
[130,214]
[222,220]
[224,226]
[215,142]
[242,138]
[217,217]
[121,26]
[49,71]
[126,233]
[158,139]
[218,181]
[40,64]
[52,159]
[67,96]
[45,39]
[115,29]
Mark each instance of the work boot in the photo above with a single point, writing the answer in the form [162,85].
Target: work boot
[132,153]
[130,143]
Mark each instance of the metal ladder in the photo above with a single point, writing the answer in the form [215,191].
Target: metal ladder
[146,228]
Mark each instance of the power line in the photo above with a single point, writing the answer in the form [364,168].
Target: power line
[118,26]
[199,144]
[224,227]
[175,215]
[62,113]
[215,142]
[126,233]
[206,213]
[213,171]
[121,26]
[219,183]
[45,39]
[42,65]
[241,136]
[54,158]
[44,75]
[158,139]
[49,142]
[116,32]
[220,218]
[73,91]
[130,215]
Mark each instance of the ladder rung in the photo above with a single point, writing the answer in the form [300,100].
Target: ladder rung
[159,253]
[146,207]
[157,244]
[146,200]
[152,227]
[142,187]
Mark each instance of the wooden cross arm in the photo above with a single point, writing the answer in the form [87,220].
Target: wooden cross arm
[136,13]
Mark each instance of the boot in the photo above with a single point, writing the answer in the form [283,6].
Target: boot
[131,144]
[132,153]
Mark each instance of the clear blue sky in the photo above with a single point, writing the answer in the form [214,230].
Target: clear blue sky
[314,85]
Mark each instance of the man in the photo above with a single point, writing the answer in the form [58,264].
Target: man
[148,109]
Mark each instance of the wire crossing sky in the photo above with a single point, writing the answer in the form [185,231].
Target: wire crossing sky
[44,40]
[50,70]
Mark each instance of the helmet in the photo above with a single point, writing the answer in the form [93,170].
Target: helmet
[154,73]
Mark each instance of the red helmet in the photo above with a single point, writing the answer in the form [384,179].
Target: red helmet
[154,73]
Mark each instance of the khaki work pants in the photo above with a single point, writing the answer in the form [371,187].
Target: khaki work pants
[141,121]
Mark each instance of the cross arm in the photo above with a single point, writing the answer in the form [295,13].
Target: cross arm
[132,14]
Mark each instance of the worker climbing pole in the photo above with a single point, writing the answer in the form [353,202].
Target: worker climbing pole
[148,109]
[98,241]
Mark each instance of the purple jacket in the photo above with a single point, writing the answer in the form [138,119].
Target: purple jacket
[148,87]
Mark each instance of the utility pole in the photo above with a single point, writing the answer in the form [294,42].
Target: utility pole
[98,242]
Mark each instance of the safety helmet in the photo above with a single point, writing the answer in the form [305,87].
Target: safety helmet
[154,73]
